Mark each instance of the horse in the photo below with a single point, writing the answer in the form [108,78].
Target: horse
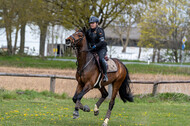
[87,74]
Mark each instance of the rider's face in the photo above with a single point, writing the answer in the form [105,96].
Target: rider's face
[93,25]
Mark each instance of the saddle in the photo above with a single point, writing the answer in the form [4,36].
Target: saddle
[112,67]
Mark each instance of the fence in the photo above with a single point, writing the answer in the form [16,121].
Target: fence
[156,83]
[53,78]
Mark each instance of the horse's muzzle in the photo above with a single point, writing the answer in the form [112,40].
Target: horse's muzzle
[68,41]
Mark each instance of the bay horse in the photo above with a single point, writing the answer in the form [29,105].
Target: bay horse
[87,74]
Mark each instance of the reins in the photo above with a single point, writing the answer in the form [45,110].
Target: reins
[80,71]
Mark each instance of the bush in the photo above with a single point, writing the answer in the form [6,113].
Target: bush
[173,97]
[7,94]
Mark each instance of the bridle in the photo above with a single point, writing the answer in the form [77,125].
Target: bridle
[74,44]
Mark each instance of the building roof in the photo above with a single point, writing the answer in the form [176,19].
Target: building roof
[110,32]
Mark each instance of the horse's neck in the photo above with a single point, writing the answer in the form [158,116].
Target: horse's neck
[83,58]
[83,55]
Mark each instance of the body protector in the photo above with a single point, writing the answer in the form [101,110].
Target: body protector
[96,37]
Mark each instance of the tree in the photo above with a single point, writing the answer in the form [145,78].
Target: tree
[13,15]
[43,17]
[24,16]
[123,24]
[76,13]
[1,20]
[8,13]
[161,26]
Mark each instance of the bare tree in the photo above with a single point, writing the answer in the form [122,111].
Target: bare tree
[76,13]
[122,25]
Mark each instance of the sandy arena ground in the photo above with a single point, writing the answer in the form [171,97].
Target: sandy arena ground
[69,86]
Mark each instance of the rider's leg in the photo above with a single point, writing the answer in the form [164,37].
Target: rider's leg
[102,54]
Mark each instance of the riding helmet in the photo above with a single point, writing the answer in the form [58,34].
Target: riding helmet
[93,19]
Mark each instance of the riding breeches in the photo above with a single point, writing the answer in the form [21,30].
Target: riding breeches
[102,54]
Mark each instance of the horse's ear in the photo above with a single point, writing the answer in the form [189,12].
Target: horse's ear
[84,29]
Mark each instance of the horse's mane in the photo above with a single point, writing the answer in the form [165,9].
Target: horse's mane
[83,30]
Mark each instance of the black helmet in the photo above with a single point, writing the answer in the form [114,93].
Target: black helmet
[93,19]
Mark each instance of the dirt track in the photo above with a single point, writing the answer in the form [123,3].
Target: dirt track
[69,86]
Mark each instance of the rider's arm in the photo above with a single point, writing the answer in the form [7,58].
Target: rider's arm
[101,37]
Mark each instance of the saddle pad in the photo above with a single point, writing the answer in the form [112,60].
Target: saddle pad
[112,67]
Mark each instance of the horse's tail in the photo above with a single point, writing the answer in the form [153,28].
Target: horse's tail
[125,90]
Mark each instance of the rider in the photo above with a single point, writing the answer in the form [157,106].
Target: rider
[96,42]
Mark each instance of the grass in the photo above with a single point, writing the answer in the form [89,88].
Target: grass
[163,97]
[167,109]
[36,62]
[29,95]
[65,57]
[155,69]
[138,61]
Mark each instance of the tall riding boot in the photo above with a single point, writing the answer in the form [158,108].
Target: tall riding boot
[104,68]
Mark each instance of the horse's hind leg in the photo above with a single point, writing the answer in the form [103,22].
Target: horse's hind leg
[111,103]
[97,105]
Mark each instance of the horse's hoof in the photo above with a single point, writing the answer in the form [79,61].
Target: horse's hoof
[75,114]
[86,108]
[104,124]
[96,113]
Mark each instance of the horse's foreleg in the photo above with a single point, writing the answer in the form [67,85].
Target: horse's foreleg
[79,104]
[78,90]
[111,104]
[97,105]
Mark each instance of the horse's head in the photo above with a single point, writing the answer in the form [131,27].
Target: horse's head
[75,39]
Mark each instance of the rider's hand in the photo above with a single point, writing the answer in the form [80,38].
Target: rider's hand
[94,46]
[91,49]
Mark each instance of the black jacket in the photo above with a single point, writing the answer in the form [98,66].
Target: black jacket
[96,37]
